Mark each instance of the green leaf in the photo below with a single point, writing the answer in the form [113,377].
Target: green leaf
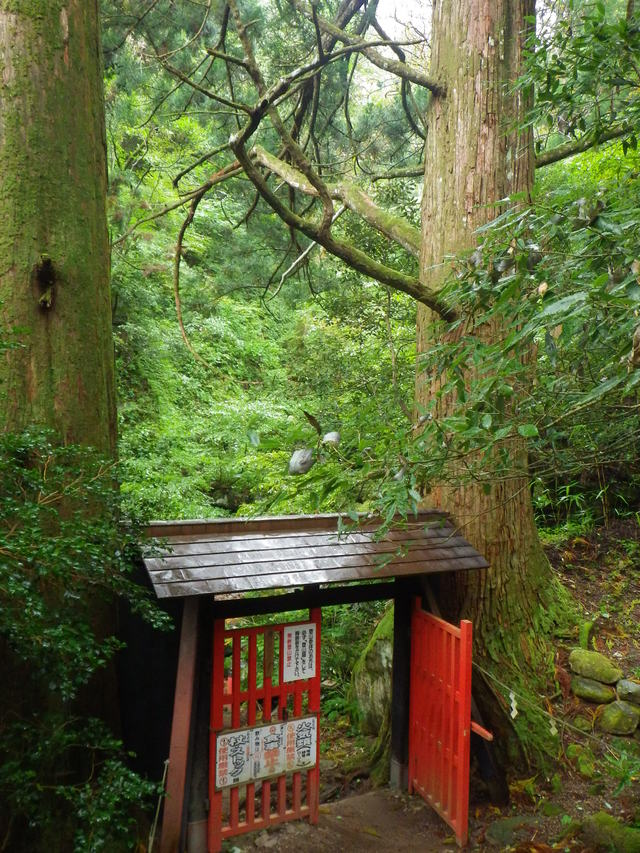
[486,421]
[528,430]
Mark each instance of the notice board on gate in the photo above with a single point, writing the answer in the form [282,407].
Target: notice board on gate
[299,661]
[259,752]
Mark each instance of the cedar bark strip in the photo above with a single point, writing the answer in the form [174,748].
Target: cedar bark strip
[54,247]
[474,159]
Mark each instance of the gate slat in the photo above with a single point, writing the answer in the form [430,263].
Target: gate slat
[440,716]
[239,707]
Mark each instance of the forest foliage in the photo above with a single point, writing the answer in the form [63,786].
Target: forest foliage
[208,431]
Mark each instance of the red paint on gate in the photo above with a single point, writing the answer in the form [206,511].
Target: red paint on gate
[235,699]
[440,716]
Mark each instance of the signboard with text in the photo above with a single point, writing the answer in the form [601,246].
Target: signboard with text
[299,652]
[246,755]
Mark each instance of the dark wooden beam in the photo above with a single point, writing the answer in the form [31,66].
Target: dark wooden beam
[302,599]
[400,679]
[172,820]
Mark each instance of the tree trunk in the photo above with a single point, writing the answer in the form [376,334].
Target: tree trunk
[54,248]
[475,158]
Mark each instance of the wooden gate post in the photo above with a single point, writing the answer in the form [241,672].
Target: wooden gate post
[172,820]
[400,681]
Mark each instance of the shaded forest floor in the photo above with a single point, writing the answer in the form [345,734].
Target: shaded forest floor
[546,813]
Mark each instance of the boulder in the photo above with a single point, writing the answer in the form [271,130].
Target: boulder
[371,681]
[619,718]
[629,691]
[301,461]
[594,665]
[332,438]
[592,691]
[604,832]
[506,832]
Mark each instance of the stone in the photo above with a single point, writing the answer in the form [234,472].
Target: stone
[508,831]
[603,831]
[594,665]
[619,718]
[629,691]
[301,461]
[332,438]
[582,723]
[371,680]
[592,691]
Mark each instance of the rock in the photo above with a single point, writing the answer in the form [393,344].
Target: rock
[594,665]
[619,718]
[371,681]
[592,691]
[332,438]
[603,831]
[583,723]
[301,461]
[509,831]
[629,691]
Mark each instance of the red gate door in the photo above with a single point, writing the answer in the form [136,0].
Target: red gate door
[440,716]
[265,703]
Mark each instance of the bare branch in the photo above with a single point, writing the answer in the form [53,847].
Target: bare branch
[409,172]
[195,201]
[561,152]
[355,258]
[229,171]
[199,162]
[394,66]
[394,227]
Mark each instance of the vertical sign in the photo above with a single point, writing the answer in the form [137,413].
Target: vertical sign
[299,652]
[233,758]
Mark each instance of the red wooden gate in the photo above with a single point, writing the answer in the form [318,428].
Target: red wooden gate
[440,716]
[255,775]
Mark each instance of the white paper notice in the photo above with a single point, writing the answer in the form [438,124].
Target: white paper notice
[264,751]
[233,758]
[299,652]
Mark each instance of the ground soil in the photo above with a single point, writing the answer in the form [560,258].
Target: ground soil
[602,571]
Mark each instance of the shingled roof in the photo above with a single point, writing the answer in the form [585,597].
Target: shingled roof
[221,556]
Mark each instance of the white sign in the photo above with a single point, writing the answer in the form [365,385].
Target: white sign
[263,751]
[233,758]
[299,652]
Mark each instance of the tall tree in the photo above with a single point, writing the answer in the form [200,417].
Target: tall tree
[54,247]
[476,157]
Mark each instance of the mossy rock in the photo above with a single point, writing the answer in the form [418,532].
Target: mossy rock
[371,680]
[619,718]
[582,723]
[604,832]
[629,691]
[508,831]
[594,665]
[592,691]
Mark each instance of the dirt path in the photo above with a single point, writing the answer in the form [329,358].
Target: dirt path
[378,820]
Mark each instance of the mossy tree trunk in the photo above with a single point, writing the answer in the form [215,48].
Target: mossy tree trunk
[54,247]
[474,159]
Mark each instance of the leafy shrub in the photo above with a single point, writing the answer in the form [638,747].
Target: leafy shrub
[64,559]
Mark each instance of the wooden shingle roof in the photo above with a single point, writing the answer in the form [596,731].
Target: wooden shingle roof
[222,556]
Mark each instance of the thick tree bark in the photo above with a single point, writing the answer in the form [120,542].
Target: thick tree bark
[54,248]
[475,158]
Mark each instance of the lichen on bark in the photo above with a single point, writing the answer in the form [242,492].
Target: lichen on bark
[52,203]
